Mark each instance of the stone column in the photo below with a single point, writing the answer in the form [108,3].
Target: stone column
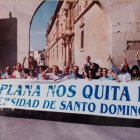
[64,53]
[69,20]
[68,53]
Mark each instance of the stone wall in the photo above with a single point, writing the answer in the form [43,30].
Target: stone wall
[118,24]
[110,27]
[8,42]
[23,11]
[125,21]
[96,36]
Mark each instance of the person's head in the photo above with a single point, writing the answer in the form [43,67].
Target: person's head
[110,71]
[135,70]
[99,72]
[40,69]
[13,68]
[66,70]
[32,73]
[104,72]
[122,68]
[18,67]
[90,74]
[75,69]
[87,58]
[8,70]
[55,69]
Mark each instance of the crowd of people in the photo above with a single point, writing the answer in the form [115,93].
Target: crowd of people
[90,71]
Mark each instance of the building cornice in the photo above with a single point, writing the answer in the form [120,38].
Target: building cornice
[54,16]
[85,10]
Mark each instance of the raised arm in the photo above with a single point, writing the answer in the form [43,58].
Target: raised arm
[44,73]
[127,66]
[24,59]
[84,73]
[114,67]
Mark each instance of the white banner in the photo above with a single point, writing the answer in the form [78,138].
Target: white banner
[102,98]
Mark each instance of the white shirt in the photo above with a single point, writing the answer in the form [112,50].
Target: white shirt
[124,77]
[51,76]
[6,76]
[68,76]
[17,74]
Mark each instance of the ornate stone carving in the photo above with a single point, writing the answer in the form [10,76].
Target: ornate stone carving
[67,36]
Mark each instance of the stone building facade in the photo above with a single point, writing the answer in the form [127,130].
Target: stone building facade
[15,20]
[96,28]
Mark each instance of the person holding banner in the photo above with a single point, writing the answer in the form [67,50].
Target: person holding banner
[7,74]
[123,75]
[134,71]
[52,76]
[98,74]
[90,75]
[112,74]
[105,75]
[75,74]
[66,73]
[40,71]
[18,74]
[32,75]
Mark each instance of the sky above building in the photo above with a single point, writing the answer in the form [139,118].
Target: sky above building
[39,24]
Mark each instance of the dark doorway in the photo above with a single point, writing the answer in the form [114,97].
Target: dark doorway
[8,42]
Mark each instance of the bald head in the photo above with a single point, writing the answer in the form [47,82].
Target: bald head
[122,68]
[66,70]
